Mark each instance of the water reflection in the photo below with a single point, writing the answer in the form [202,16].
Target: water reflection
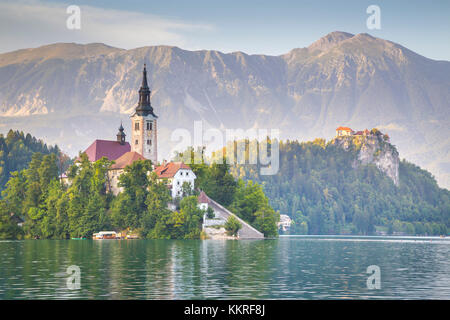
[287,268]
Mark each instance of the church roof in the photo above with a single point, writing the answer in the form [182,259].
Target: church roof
[169,170]
[106,148]
[127,159]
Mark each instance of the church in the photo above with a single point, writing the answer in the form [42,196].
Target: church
[143,145]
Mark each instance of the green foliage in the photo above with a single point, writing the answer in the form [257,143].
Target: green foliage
[251,204]
[183,224]
[232,226]
[16,151]
[30,193]
[187,189]
[52,210]
[129,206]
[210,213]
[245,199]
[320,190]
[216,181]
[8,227]
[87,200]
[316,185]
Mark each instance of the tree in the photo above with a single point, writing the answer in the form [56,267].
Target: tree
[232,226]
[88,200]
[130,205]
[193,217]
[16,151]
[218,183]
[157,213]
[210,213]
[187,189]
[8,228]
[266,220]
[251,204]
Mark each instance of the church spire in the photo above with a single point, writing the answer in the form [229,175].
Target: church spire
[144,84]
[121,134]
[144,107]
[144,134]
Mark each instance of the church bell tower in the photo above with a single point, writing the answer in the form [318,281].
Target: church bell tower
[143,124]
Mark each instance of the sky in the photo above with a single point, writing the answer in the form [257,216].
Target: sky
[255,27]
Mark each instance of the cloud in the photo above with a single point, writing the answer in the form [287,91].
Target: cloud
[31,23]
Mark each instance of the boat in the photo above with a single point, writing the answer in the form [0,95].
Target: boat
[78,238]
[105,235]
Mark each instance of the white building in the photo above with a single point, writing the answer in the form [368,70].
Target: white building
[285,222]
[175,174]
[343,131]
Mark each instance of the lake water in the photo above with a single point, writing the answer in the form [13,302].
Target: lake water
[287,268]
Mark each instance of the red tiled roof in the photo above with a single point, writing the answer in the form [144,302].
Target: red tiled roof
[359,133]
[127,159]
[203,198]
[105,148]
[170,169]
[344,129]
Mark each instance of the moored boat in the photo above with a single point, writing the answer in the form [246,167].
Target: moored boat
[105,235]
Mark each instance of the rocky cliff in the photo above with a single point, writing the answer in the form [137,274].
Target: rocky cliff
[373,149]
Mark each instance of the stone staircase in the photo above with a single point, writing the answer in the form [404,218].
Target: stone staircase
[246,232]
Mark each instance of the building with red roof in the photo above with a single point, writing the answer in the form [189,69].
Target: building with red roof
[111,149]
[343,131]
[118,168]
[126,159]
[106,148]
[175,174]
[203,200]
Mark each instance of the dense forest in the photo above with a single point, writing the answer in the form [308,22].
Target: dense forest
[16,150]
[52,209]
[318,187]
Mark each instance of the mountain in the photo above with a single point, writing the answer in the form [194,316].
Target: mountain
[71,94]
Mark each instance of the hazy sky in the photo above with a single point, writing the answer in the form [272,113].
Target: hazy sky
[268,27]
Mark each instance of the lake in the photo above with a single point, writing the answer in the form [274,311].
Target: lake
[291,267]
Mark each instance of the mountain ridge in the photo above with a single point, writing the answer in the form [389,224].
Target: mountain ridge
[305,94]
